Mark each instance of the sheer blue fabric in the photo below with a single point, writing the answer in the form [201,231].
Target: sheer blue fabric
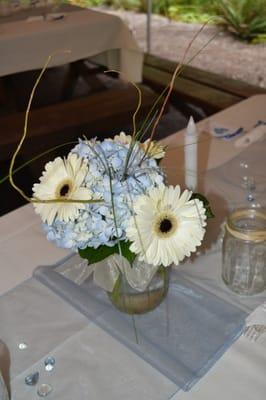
[182,338]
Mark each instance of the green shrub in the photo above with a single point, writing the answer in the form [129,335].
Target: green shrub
[133,5]
[198,11]
[86,3]
[187,10]
[244,18]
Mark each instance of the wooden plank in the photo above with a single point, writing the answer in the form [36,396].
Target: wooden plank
[212,99]
[52,125]
[232,86]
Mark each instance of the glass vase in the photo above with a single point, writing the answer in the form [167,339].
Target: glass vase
[132,301]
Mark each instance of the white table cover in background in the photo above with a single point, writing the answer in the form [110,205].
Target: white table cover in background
[25,45]
[84,352]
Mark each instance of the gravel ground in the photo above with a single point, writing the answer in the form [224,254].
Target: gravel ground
[224,55]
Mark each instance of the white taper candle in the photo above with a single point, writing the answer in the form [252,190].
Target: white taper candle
[191,155]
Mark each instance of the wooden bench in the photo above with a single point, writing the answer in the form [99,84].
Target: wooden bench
[102,113]
[207,90]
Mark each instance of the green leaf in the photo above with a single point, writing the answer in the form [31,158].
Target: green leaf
[96,255]
[205,202]
[126,252]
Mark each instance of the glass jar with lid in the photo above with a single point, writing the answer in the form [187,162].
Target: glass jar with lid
[244,251]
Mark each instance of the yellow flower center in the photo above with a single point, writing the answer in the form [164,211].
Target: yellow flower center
[165,225]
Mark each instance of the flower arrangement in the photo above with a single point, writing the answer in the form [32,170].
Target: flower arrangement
[108,200]
[121,206]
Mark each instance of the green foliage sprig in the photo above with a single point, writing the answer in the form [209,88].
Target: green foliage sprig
[96,255]
[206,203]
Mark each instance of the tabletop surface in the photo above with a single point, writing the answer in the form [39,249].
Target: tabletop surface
[79,34]
[58,329]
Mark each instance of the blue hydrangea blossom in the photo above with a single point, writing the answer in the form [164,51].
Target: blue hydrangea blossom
[118,186]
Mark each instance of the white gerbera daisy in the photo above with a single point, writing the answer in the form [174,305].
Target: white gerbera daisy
[62,179]
[123,138]
[155,150]
[166,226]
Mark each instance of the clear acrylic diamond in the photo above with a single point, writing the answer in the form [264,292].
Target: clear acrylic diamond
[22,346]
[32,379]
[49,363]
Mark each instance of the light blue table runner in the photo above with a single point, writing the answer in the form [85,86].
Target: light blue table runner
[182,338]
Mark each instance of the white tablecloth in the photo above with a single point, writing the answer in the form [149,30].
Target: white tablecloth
[89,362]
[25,45]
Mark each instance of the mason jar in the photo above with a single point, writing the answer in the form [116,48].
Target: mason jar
[244,251]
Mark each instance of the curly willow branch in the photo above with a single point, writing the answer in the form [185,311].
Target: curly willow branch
[139,99]
[24,135]
[134,134]
[171,85]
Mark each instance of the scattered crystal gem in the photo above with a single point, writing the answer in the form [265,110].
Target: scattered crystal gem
[243,164]
[32,379]
[22,346]
[44,390]
[250,197]
[49,363]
